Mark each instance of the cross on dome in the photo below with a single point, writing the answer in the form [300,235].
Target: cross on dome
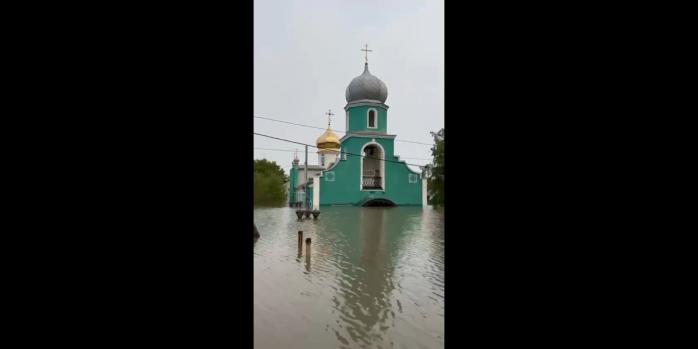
[329,117]
[328,140]
[367,51]
[366,86]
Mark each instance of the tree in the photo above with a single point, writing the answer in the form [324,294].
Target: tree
[269,179]
[435,183]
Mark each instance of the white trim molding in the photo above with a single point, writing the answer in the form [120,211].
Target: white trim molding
[366,134]
[366,102]
[375,118]
[424,192]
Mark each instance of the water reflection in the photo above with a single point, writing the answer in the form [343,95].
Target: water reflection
[364,301]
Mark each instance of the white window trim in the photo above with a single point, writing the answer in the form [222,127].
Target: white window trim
[368,112]
[361,167]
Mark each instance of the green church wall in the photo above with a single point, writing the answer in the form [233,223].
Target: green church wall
[358,118]
[344,189]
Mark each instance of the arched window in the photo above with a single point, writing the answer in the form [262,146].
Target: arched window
[372,118]
[372,167]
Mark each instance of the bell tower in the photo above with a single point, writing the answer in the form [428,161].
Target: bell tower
[366,111]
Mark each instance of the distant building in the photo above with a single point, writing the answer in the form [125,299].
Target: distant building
[377,176]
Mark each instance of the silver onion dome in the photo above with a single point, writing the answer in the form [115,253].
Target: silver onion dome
[366,87]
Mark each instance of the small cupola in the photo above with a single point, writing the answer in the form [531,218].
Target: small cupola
[329,139]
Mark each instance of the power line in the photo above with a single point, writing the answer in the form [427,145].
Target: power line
[293,123]
[284,150]
[338,131]
[287,150]
[310,145]
[314,152]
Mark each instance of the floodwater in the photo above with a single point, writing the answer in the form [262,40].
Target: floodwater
[374,278]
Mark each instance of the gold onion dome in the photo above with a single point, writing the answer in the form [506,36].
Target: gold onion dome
[328,140]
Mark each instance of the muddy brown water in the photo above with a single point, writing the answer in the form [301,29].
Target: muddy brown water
[374,278]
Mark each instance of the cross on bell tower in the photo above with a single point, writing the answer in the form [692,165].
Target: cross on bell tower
[366,50]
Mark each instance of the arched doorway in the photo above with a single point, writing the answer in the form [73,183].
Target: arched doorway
[372,167]
[378,203]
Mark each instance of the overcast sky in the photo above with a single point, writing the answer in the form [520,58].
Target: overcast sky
[307,51]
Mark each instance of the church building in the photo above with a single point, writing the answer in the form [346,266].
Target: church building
[359,169]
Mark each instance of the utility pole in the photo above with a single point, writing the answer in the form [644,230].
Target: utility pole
[305,196]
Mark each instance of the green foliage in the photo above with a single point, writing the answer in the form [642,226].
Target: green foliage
[269,179]
[435,185]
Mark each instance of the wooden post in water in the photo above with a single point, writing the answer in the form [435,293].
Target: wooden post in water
[300,239]
[307,254]
[307,246]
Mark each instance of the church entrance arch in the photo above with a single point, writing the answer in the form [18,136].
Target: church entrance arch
[372,167]
[378,202]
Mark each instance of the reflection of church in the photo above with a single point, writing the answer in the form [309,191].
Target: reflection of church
[377,177]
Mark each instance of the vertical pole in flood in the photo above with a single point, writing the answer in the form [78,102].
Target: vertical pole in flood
[300,242]
[307,254]
[305,194]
